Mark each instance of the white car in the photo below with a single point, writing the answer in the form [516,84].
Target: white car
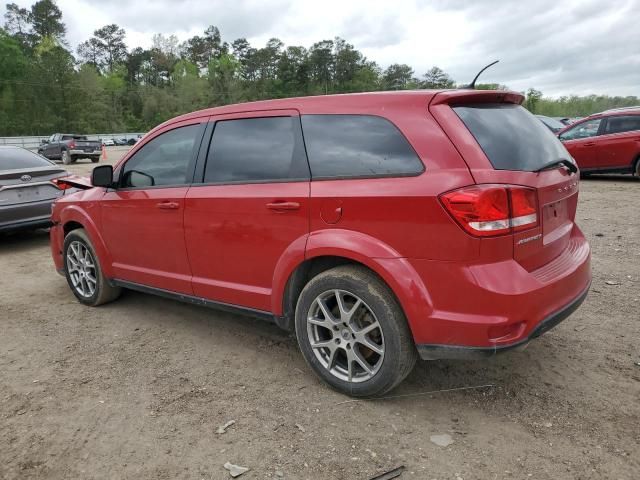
[107,142]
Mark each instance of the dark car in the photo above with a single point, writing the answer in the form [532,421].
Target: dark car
[379,227]
[551,123]
[68,148]
[27,188]
[607,142]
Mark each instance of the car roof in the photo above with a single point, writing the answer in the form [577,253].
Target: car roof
[364,103]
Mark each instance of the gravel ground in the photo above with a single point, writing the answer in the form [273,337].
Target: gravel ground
[138,388]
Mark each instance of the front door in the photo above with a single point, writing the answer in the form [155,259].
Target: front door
[142,219]
[580,141]
[251,206]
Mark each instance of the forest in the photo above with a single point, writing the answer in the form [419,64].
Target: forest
[101,86]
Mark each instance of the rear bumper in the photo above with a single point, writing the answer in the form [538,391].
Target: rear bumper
[83,153]
[437,352]
[26,215]
[479,309]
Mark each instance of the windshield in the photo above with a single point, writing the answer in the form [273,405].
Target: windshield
[511,137]
[14,158]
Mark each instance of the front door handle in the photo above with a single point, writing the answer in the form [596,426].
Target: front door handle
[590,144]
[168,205]
[283,206]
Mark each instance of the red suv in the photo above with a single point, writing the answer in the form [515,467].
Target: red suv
[377,226]
[607,142]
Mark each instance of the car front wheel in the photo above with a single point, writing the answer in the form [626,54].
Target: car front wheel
[353,333]
[83,272]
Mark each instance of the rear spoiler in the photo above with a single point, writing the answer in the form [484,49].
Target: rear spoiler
[460,97]
[82,183]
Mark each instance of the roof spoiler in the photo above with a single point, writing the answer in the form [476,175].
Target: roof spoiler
[472,85]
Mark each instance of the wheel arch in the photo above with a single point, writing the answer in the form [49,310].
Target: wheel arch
[333,248]
[72,218]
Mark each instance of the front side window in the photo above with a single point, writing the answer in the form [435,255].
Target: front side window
[342,146]
[162,161]
[256,150]
[582,130]
[623,124]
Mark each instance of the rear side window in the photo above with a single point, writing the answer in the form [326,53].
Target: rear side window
[342,146]
[511,137]
[249,150]
[623,124]
[14,158]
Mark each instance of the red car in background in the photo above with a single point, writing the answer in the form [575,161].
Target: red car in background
[379,227]
[607,142]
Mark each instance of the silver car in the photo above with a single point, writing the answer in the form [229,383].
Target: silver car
[27,188]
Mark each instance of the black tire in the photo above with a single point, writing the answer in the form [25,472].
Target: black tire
[95,159]
[103,291]
[399,349]
[636,170]
[65,157]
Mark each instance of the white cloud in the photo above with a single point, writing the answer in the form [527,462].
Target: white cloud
[572,46]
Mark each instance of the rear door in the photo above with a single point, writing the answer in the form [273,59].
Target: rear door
[581,141]
[249,205]
[619,144]
[515,148]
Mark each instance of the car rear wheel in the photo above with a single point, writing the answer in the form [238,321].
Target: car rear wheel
[65,157]
[95,159]
[353,333]
[83,272]
[637,169]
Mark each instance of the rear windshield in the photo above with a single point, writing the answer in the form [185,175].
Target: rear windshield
[13,158]
[511,137]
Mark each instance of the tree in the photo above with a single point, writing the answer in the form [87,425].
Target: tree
[111,41]
[436,78]
[46,19]
[397,77]
[532,99]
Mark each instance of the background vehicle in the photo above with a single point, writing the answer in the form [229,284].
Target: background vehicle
[27,188]
[355,220]
[108,142]
[607,142]
[70,147]
[554,125]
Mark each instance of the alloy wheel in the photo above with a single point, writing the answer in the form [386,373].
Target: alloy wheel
[345,336]
[81,268]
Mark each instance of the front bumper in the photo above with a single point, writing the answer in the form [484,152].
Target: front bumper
[456,352]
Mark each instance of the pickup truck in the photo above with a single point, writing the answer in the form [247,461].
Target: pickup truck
[69,147]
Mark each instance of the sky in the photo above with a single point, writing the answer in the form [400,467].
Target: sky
[560,47]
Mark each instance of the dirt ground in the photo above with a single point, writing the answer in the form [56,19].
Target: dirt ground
[138,388]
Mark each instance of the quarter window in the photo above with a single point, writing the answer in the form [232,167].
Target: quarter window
[623,124]
[162,161]
[357,146]
[585,129]
[249,150]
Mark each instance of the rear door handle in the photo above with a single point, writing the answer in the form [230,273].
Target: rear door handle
[590,144]
[283,206]
[168,205]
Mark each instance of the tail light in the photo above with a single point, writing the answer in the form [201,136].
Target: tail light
[72,144]
[491,210]
[60,183]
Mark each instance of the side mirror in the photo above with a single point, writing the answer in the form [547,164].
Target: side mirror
[44,141]
[102,176]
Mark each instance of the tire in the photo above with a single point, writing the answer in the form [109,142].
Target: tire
[334,345]
[78,248]
[65,157]
[95,159]
[636,170]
